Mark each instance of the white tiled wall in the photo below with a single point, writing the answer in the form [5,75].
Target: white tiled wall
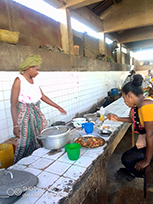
[74,91]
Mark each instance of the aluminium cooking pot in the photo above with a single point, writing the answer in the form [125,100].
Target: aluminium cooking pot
[55,137]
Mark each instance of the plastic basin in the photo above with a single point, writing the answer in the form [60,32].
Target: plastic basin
[73,151]
[77,122]
[114,91]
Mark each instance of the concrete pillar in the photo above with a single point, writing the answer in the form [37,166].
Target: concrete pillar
[102,44]
[119,53]
[66,31]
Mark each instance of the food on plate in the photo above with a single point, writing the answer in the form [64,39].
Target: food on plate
[106,127]
[101,127]
[90,142]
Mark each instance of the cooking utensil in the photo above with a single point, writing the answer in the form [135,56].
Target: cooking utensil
[91,117]
[77,122]
[15,182]
[89,140]
[55,137]
[58,123]
[105,132]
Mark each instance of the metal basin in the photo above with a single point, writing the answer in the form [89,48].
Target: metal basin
[91,117]
[105,133]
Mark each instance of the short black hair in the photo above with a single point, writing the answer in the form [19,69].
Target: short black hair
[134,86]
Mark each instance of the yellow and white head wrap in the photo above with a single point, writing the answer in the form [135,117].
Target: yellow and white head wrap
[30,61]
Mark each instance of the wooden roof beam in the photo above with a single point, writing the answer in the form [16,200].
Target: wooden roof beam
[56,3]
[87,17]
[75,4]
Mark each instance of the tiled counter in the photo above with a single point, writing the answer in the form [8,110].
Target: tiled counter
[64,181]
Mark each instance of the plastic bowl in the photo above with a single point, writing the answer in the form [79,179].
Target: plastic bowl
[77,122]
[73,151]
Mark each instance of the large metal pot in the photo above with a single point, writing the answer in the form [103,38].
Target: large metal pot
[55,137]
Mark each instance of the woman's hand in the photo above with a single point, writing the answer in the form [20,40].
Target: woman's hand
[141,165]
[113,117]
[62,111]
[16,132]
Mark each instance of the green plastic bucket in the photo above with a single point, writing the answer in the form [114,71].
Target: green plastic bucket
[73,151]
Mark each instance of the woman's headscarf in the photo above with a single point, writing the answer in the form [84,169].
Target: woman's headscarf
[30,61]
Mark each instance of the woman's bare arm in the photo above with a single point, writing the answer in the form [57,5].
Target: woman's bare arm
[51,103]
[119,119]
[14,99]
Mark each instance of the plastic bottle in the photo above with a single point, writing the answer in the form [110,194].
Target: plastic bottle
[102,112]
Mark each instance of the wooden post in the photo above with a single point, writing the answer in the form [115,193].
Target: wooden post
[66,31]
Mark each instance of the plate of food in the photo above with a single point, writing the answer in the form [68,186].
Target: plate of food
[90,141]
[102,127]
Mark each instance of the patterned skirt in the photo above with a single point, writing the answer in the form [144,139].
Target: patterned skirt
[31,122]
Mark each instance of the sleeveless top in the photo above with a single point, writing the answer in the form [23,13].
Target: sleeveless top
[145,114]
[29,93]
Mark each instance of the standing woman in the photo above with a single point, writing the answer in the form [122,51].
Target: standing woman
[28,120]
[136,159]
[129,77]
